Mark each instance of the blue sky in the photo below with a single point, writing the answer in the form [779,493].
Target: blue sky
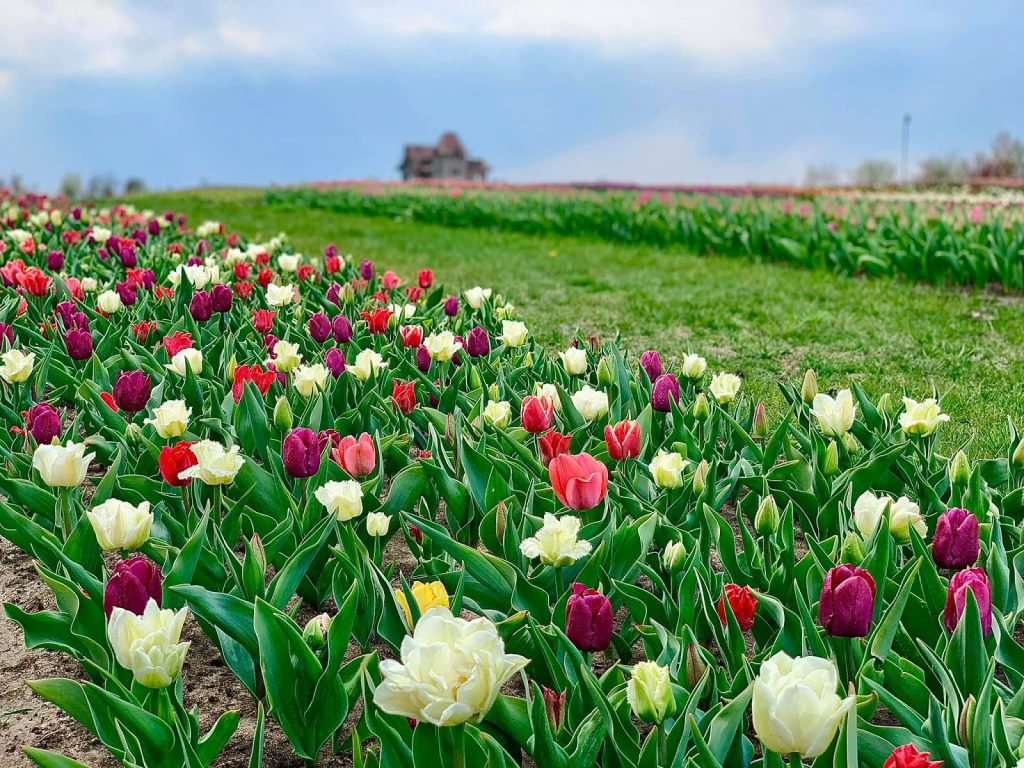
[544,90]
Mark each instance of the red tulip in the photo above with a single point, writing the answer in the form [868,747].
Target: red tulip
[263,379]
[133,583]
[623,440]
[551,445]
[176,342]
[588,619]
[377,322]
[263,319]
[579,480]
[411,335]
[907,756]
[537,414]
[174,459]
[742,603]
[358,457]
[425,277]
[403,395]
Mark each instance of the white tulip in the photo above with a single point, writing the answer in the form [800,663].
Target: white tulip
[148,645]
[725,387]
[922,418]
[442,346]
[310,379]
[109,302]
[119,525]
[574,360]
[62,466]
[216,464]
[475,297]
[498,413]
[341,498]
[835,416]
[184,360]
[17,366]
[171,419]
[557,542]
[513,333]
[591,403]
[366,365]
[280,295]
[693,366]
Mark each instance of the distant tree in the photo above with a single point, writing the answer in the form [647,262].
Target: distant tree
[821,176]
[944,170]
[134,185]
[101,187]
[1004,160]
[71,186]
[17,185]
[874,173]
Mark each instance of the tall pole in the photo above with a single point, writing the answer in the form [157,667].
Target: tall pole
[905,149]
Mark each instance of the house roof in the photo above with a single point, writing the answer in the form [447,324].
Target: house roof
[450,145]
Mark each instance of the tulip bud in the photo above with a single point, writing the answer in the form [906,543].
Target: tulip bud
[605,372]
[315,632]
[493,393]
[847,602]
[955,544]
[959,469]
[132,432]
[766,520]
[695,666]
[588,619]
[965,722]
[665,392]
[1018,455]
[831,464]
[283,414]
[528,359]
[975,580]
[701,408]
[853,549]
[850,443]
[742,603]
[884,405]
[649,693]
[700,477]
[810,386]
[673,555]
[500,520]
[132,584]
[232,367]
[259,552]
[301,453]
[554,706]
[650,361]
[760,423]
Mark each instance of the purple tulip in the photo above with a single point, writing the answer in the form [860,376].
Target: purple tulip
[330,251]
[478,343]
[847,602]
[366,269]
[221,297]
[342,329]
[665,392]
[194,261]
[43,423]
[976,580]
[300,453]
[955,544]
[334,359]
[451,306]
[334,294]
[319,327]
[201,306]
[129,260]
[139,236]
[270,341]
[132,585]
[79,344]
[55,260]
[202,248]
[148,279]
[65,312]
[588,619]
[7,332]
[127,293]
[80,321]
[423,358]
[131,390]
[650,361]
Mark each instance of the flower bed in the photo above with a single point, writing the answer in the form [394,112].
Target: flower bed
[412,534]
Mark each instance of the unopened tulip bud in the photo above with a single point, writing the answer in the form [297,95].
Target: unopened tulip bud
[347,294]
[760,423]
[315,632]
[700,477]
[884,405]
[649,692]
[695,666]
[258,551]
[673,555]
[959,469]
[528,359]
[232,366]
[500,520]
[283,414]
[605,372]
[766,520]
[701,409]
[1018,455]
[493,393]
[831,464]
[554,706]
[810,386]
[132,432]
[850,443]
[965,723]
[853,549]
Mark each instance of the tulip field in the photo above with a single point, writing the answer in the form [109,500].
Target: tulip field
[284,509]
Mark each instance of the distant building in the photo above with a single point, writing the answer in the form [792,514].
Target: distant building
[447,160]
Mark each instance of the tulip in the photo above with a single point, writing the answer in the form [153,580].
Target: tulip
[591,403]
[357,457]
[319,327]
[334,360]
[170,419]
[556,543]
[847,602]
[478,344]
[725,387]
[701,410]
[907,756]
[186,359]
[579,480]
[109,302]
[476,296]
[574,360]
[173,460]
[201,306]
[650,361]
[588,619]
[280,295]
[62,466]
[366,365]
[42,421]
[955,544]
[314,634]
[451,306]
[904,515]
[809,389]
[403,395]
[667,469]
[921,419]
[133,583]
[795,706]
[119,525]
[554,707]
[300,453]
[426,594]
[148,645]
[377,524]
[310,380]
[78,343]
[536,415]
[975,580]
[766,519]
[221,298]
[513,333]
[214,465]
[343,499]
[673,555]
[742,603]
[623,440]
[665,392]
[552,444]
[649,692]
[17,366]
[700,477]
[442,346]
[341,328]
[55,261]
[286,356]
[132,390]
[835,416]
[451,671]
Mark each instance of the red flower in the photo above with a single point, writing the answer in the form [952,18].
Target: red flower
[907,756]
[579,480]
[332,264]
[391,280]
[163,293]
[34,281]
[742,602]
[403,395]
[174,459]
[108,398]
[243,290]
[242,271]
[263,319]
[536,414]
[262,258]
[378,321]
[412,335]
[358,457]
[143,329]
[305,272]
[425,278]
[251,373]
[413,293]
[176,342]
[551,445]
[623,440]
[265,277]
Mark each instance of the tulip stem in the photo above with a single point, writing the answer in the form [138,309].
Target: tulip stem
[558,583]
[662,745]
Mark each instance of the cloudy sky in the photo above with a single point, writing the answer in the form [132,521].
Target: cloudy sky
[728,91]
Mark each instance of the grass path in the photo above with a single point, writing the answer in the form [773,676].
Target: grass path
[766,322]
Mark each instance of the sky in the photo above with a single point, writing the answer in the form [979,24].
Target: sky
[647,91]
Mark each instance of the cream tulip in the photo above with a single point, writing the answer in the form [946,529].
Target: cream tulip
[498,413]
[693,366]
[341,498]
[62,466]
[149,645]
[109,302]
[216,465]
[835,415]
[286,356]
[171,419]
[513,333]
[442,346]
[367,364]
[475,297]
[667,469]
[591,403]
[119,525]
[280,295]
[17,366]
[922,419]
[725,387]
[574,360]
[557,542]
[184,360]
[310,379]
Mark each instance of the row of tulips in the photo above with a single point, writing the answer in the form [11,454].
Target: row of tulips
[616,561]
[969,241]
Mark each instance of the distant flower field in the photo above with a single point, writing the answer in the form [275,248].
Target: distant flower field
[412,536]
[960,238]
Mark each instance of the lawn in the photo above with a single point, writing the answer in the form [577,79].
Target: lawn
[768,322]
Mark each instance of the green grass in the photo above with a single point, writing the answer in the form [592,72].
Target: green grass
[767,322]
